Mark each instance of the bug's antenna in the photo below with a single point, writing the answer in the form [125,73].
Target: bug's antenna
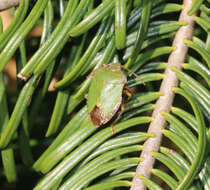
[135,75]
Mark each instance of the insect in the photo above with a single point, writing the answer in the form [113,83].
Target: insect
[105,93]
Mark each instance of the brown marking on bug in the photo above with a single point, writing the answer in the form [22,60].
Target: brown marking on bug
[97,116]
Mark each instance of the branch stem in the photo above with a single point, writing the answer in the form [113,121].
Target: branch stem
[176,58]
[6,4]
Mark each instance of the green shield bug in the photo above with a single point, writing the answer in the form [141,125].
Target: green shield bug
[105,93]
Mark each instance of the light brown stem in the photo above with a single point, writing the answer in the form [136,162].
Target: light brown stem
[6,4]
[170,80]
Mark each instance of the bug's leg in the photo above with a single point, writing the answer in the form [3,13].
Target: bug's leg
[118,117]
[127,92]
[112,126]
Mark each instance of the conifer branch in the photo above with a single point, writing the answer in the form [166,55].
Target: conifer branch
[164,103]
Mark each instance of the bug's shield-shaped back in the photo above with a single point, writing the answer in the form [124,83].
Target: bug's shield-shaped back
[105,94]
